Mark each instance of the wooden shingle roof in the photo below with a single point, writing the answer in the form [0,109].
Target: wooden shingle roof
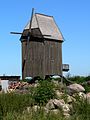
[46,25]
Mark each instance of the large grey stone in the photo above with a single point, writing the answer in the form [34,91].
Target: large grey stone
[75,88]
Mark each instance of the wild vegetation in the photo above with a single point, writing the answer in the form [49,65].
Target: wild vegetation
[13,106]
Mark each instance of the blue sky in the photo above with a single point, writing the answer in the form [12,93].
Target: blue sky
[73,19]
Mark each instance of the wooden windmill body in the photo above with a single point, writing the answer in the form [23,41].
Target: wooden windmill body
[41,42]
[42,54]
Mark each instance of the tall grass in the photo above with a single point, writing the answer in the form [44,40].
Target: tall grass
[12,102]
[81,109]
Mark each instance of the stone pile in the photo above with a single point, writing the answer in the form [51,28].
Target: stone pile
[64,101]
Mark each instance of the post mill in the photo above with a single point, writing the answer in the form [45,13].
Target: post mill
[41,42]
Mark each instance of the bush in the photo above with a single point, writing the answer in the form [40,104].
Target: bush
[44,92]
[77,79]
[87,78]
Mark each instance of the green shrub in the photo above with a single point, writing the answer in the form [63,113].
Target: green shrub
[77,79]
[87,78]
[44,92]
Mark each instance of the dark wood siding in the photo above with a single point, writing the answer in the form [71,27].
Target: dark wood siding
[35,59]
[53,57]
[44,57]
[24,44]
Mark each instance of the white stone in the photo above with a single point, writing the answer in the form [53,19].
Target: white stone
[58,103]
[59,94]
[55,111]
[82,95]
[50,105]
[66,108]
[36,108]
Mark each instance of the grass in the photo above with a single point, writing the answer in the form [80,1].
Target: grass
[14,106]
[12,102]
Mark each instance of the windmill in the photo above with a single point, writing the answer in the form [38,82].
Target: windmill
[41,42]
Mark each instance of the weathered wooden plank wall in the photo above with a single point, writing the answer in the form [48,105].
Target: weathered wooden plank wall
[44,57]
[53,57]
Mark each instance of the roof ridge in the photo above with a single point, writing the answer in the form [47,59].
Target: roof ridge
[43,14]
